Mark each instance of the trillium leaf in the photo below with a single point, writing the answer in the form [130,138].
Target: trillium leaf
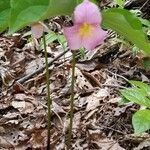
[141,121]
[60,7]
[4,14]
[127,25]
[25,12]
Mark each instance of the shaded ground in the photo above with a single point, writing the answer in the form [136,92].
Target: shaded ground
[99,121]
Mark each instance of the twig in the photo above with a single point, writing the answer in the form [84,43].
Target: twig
[144,5]
[114,86]
[27,77]
[61,122]
[100,127]
[115,74]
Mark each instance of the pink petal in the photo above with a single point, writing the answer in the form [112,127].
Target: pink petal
[37,30]
[72,37]
[95,39]
[87,12]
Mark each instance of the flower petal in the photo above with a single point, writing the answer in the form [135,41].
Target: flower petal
[87,12]
[72,36]
[95,39]
[37,30]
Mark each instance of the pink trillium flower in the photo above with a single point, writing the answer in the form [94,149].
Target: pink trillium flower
[86,31]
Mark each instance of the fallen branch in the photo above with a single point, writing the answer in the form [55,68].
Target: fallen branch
[25,78]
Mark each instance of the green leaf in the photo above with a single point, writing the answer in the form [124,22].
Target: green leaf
[145,87]
[145,22]
[120,3]
[4,14]
[127,25]
[60,7]
[139,94]
[141,121]
[136,95]
[25,12]
[146,63]
[50,37]
[62,41]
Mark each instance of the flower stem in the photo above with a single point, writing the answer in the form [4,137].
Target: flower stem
[71,100]
[49,101]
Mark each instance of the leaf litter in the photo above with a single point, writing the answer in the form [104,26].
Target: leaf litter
[99,121]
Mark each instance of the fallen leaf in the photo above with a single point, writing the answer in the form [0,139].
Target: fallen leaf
[102,142]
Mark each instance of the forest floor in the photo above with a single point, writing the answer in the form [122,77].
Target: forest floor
[101,121]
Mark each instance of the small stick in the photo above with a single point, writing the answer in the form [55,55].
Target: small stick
[143,5]
[115,74]
[27,77]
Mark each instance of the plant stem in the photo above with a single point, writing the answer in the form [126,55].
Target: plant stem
[63,46]
[71,100]
[49,101]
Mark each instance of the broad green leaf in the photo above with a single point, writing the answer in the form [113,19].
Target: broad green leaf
[136,95]
[146,63]
[50,37]
[62,41]
[60,7]
[127,25]
[141,121]
[25,12]
[145,22]
[141,85]
[120,3]
[4,14]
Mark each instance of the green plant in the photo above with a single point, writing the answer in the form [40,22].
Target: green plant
[4,14]
[139,94]
[127,25]
[49,100]
[120,3]
[18,14]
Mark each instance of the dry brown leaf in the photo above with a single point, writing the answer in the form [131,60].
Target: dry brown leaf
[90,114]
[57,108]
[15,137]
[81,82]
[87,66]
[23,106]
[102,142]
[38,139]
[92,103]
[143,145]
[120,110]
[76,121]
[4,144]
[94,99]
